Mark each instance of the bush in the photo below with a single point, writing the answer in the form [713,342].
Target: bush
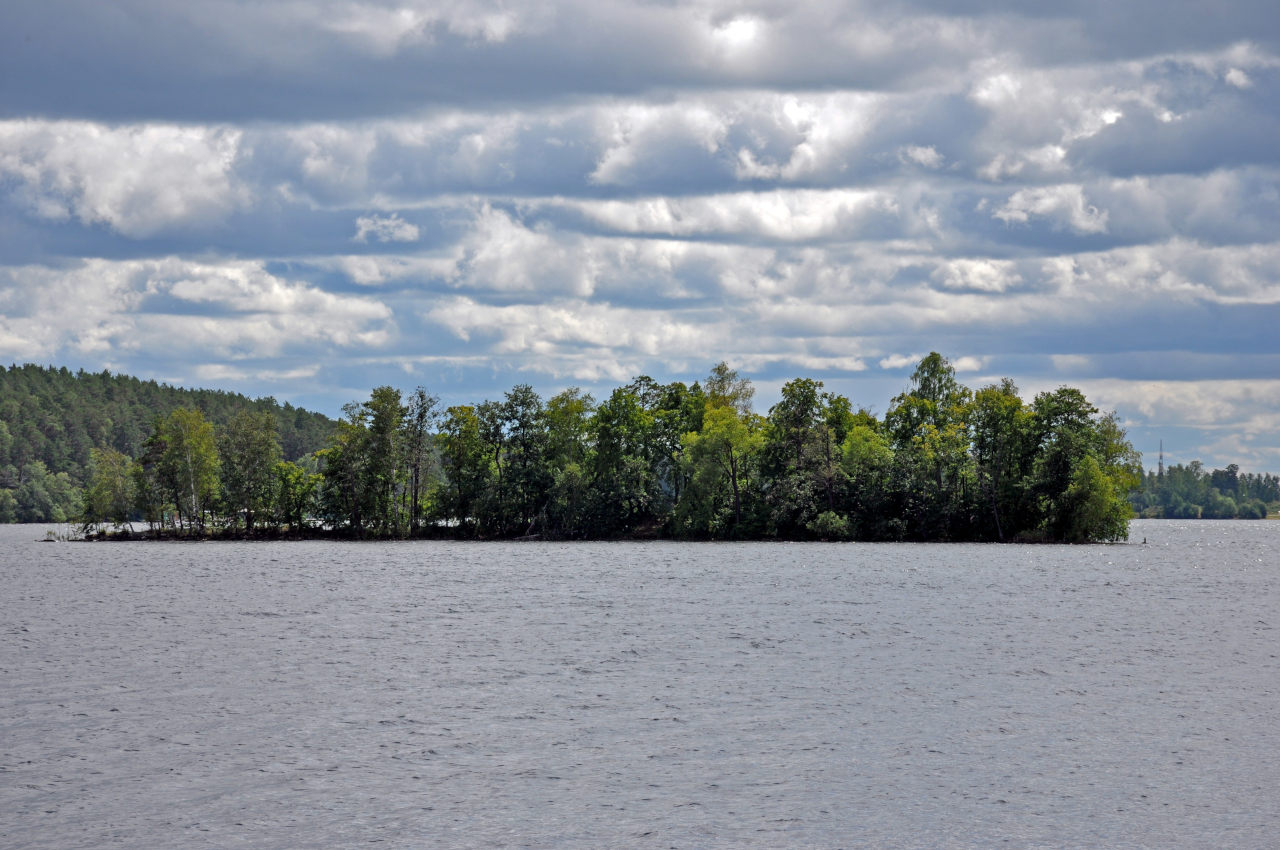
[829,525]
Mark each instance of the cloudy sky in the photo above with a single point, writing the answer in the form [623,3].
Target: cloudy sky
[309,198]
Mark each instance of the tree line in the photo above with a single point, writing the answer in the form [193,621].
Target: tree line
[652,459]
[1193,492]
[51,420]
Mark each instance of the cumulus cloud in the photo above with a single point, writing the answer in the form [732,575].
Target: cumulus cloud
[1063,206]
[983,275]
[797,215]
[899,361]
[1238,78]
[390,228]
[583,190]
[1236,418]
[920,155]
[138,180]
[107,307]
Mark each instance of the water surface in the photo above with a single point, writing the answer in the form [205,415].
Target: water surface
[315,694]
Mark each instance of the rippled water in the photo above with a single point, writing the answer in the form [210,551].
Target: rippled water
[642,695]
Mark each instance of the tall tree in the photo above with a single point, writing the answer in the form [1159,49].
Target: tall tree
[249,448]
[720,456]
[621,471]
[109,497]
[528,478]
[420,424]
[295,493]
[726,388]
[465,461]
[384,468]
[189,465]
[1002,436]
[931,450]
[345,500]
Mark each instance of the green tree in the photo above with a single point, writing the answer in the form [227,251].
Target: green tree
[189,465]
[867,460]
[929,428]
[249,448]
[726,388]
[42,496]
[295,494]
[110,496]
[420,422]
[799,458]
[384,462]
[621,475]
[8,506]
[1069,433]
[720,456]
[465,461]
[567,418]
[149,491]
[1001,426]
[1091,508]
[525,441]
[345,500]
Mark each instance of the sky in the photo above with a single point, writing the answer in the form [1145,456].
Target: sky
[309,198]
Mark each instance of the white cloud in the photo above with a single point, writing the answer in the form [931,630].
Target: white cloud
[138,180]
[788,185]
[925,156]
[103,306]
[1174,271]
[785,215]
[500,253]
[588,339]
[1064,206]
[977,274]
[377,269]
[390,228]
[899,361]
[227,372]
[1239,417]
[387,30]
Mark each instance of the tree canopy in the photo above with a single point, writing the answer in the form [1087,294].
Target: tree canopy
[52,420]
[651,459]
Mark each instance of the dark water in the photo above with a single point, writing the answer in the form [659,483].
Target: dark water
[642,695]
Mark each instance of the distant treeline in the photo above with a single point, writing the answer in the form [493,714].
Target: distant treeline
[651,459]
[1192,492]
[51,419]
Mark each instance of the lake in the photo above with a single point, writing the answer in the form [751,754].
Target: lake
[651,695]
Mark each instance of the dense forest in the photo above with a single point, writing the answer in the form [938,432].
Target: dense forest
[1192,492]
[671,460]
[51,420]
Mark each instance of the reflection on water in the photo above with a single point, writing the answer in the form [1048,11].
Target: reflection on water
[646,695]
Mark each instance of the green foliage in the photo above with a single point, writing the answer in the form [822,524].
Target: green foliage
[188,465]
[1192,492]
[250,450]
[8,506]
[295,495]
[695,461]
[41,496]
[52,420]
[109,496]
[1091,507]
[829,525]
[721,458]
[464,460]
